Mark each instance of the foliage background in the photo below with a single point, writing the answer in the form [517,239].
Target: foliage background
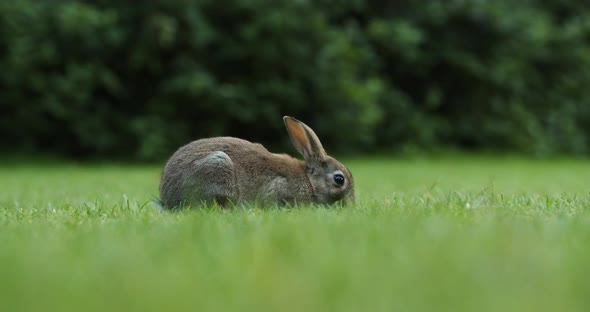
[137,79]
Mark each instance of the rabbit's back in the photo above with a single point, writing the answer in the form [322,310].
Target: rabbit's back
[229,145]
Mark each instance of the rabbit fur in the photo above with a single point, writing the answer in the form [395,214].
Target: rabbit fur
[228,170]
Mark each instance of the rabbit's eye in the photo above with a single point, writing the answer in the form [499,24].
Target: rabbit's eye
[339,179]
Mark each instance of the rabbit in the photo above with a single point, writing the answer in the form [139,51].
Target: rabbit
[229,170]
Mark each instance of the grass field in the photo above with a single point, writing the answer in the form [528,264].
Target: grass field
[441,234]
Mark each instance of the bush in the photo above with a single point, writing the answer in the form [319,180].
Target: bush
[136,80]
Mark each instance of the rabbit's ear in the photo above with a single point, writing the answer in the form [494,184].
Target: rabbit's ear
[304,139]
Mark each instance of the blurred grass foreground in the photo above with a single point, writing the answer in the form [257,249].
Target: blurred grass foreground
[135,80]
[450,234]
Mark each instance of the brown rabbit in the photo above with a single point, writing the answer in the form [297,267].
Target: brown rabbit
[230,170]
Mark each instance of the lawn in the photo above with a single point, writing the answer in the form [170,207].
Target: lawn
[427,234]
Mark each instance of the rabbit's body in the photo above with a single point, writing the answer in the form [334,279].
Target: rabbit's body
[208,172]
[230,170]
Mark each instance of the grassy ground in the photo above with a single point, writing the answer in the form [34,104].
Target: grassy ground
[446,234]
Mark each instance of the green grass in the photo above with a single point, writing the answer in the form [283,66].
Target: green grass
[442,234]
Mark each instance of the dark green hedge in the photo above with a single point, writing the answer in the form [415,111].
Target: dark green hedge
[137,79]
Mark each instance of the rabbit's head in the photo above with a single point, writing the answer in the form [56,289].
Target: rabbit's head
[331,181]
